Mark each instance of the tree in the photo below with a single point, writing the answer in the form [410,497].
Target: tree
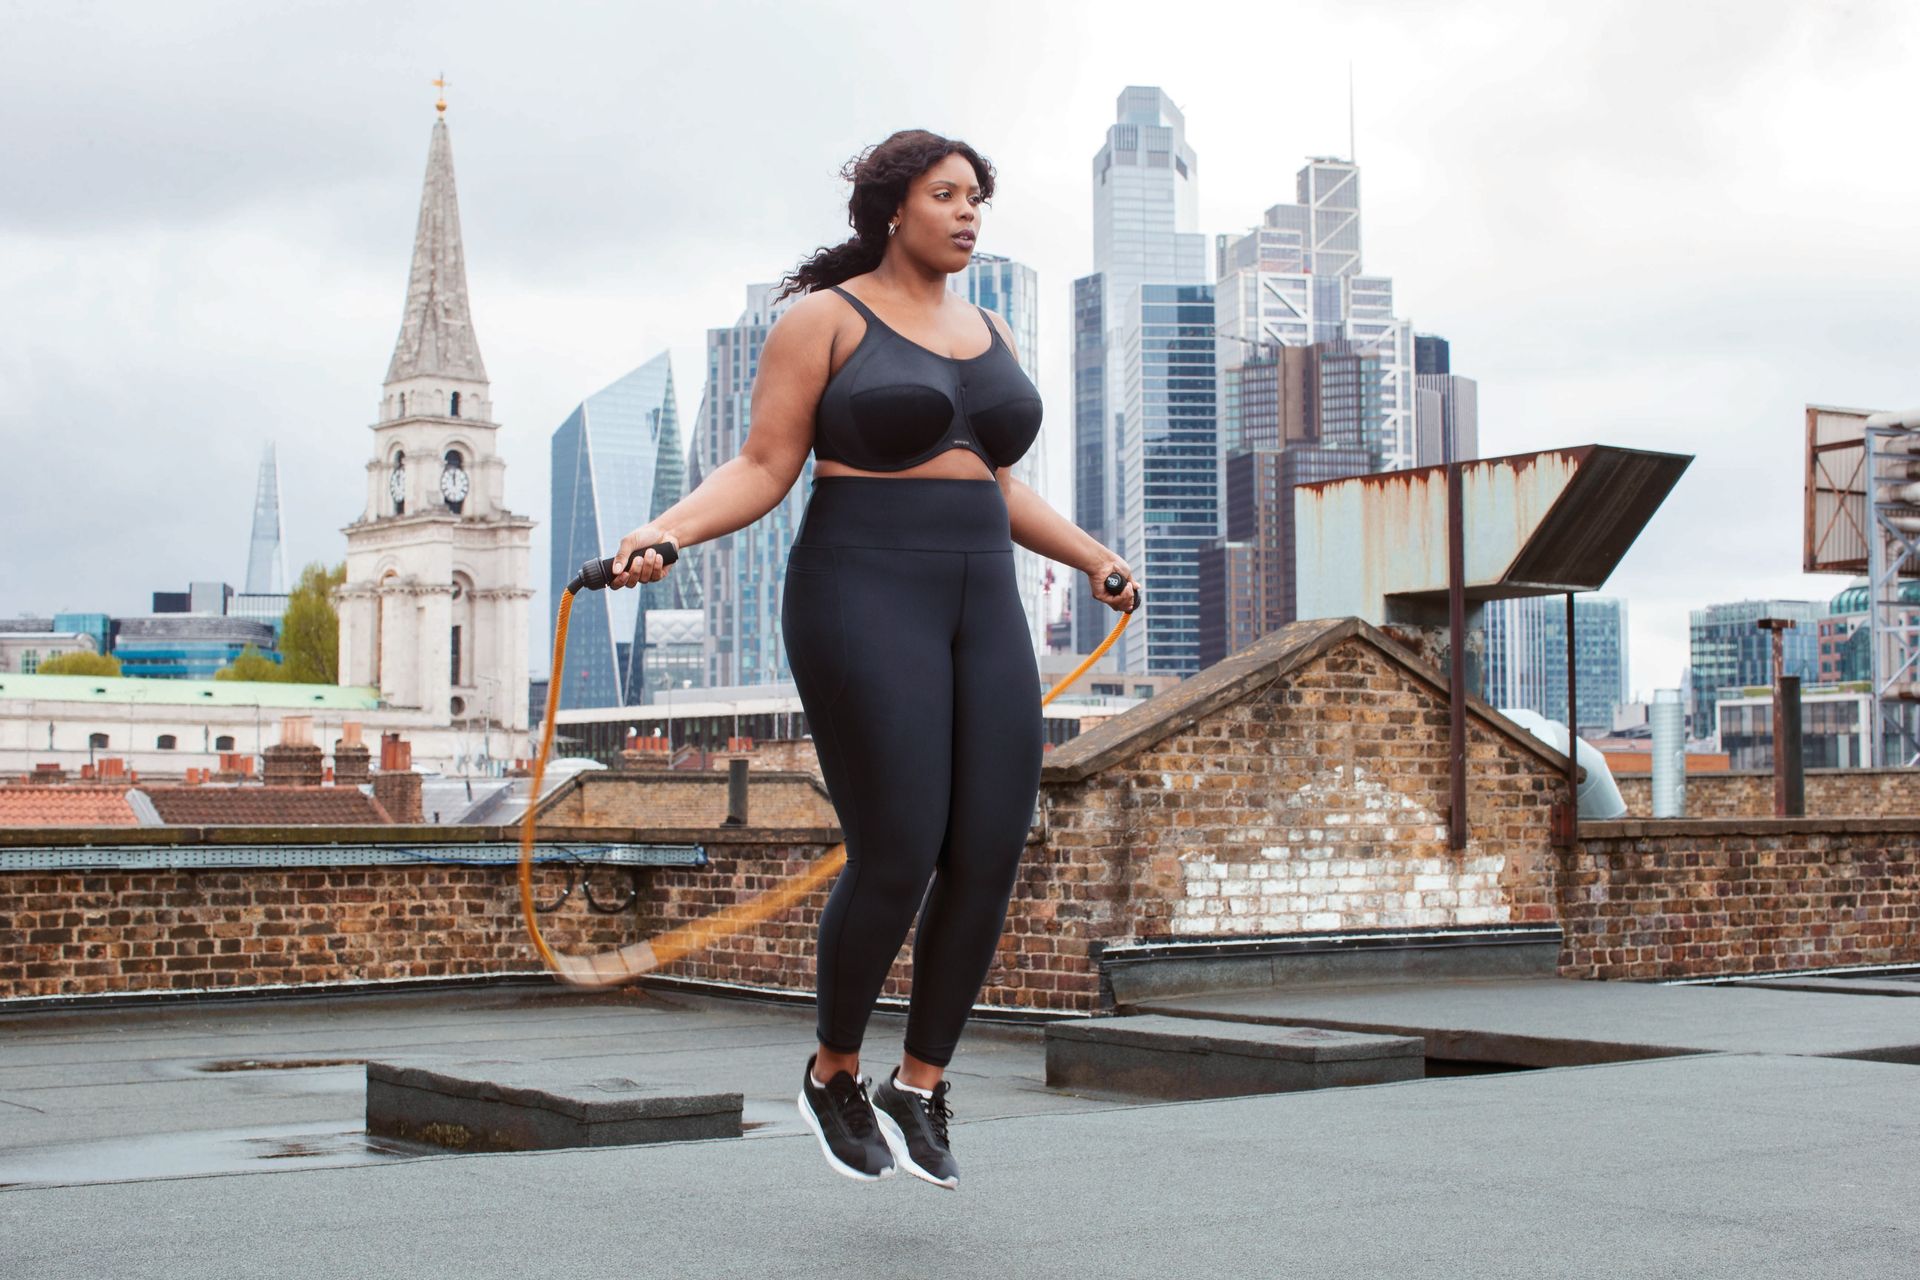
[83,663]
[310,630]
[252,665]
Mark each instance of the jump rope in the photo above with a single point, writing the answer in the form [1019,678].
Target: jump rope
[610,968]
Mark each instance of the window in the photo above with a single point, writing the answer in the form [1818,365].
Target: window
[456,405]
[30,662]
[223,743]
[456,655]
[166,742]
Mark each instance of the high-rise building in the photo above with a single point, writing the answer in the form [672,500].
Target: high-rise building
[433,612]
[266,556]
[1447,418]
[1729,651]
[740,574]
[1431,354]
[1247,581]
[1169,481]
[1011,289]
[1297,279]
[1145,219]
[617,463]
[1525,663]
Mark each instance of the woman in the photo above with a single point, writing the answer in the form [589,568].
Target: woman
[902,621]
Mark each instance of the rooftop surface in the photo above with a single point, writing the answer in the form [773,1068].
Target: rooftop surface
[173,1140]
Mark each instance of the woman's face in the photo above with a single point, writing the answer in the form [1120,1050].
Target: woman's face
[940,219]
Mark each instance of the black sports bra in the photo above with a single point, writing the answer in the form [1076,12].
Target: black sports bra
[894,404]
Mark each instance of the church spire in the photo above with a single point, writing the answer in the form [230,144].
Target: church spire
[436,334]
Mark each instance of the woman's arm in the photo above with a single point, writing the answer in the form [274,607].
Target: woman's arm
[1039,528]
[786,392]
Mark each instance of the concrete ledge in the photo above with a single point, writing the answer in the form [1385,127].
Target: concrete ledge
[1150,971]
[520,1106]
[1161,1057]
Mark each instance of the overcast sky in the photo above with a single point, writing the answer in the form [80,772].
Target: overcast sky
[1657,225]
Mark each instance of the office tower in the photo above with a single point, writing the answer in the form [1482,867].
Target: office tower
[740,574]
[1145,215]
[1431,354]
[1011,289]
[1447,418]
[266,556]
[616,465]
[1525,662]
[1247,579]
[1297,279]
[434,609]
[1168,500]
[1729,651]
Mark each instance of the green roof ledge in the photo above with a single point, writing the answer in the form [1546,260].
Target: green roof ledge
[121,690]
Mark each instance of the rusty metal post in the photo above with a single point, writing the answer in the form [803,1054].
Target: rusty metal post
[1782,801]
[1573,731]
[1456,659]
[736,793]
[1789,777]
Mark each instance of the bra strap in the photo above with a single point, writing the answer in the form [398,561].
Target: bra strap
[859,306]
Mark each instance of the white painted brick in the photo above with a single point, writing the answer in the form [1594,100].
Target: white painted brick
[1322,920]
[1423,883]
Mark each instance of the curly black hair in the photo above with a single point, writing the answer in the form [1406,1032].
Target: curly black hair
[880,176]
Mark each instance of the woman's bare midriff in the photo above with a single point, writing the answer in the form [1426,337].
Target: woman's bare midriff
[954,464]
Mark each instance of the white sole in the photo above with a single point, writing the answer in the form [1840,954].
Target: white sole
[839,1166]
[902,1158]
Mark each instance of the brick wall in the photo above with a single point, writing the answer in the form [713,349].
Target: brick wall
[1299,786]
[73,933]
[1834,793]
[1693,899]
[687,799]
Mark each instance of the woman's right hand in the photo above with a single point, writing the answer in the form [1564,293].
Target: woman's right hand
[631,568]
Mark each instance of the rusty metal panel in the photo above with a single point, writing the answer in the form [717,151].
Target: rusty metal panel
[1557,520]
[1836,491]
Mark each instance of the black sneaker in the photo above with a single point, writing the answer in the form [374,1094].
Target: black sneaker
[842,1118]
[916,1130]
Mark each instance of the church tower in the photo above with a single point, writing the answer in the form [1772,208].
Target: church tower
[434,608]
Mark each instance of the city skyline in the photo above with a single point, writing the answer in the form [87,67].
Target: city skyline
[245,285]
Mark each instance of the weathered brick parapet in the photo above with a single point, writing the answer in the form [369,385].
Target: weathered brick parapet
[1684,899]
[1748,793]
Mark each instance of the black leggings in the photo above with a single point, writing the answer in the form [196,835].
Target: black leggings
[913,660]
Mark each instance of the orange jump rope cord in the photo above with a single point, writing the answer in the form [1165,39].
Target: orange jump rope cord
[610,968]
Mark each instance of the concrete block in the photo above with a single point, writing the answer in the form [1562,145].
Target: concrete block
[1162,1057]
[533,1106]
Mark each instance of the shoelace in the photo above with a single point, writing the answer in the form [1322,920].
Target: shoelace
[937,1111]
[850,1100]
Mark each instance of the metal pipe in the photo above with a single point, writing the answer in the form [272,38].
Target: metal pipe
[1573,732]
[1789,777]
[736,793]
[1457,659]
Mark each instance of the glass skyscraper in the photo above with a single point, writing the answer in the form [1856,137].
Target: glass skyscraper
[1011,289]
[742,572]
[617,463]
[1145,215]
[1729,651]
[1168,471]
[1525,664]
[1297,279]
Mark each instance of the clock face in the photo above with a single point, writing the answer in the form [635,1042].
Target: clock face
[397,484]
[453,484]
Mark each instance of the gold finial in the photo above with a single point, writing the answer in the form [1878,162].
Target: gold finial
[441,85]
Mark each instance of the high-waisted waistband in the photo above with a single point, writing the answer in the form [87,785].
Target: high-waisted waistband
[915,513]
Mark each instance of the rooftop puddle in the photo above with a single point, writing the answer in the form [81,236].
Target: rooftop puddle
[171,1155]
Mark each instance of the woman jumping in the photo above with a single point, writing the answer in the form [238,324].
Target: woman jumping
[902,621]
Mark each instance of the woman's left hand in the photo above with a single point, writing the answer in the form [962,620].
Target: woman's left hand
[1097,572]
